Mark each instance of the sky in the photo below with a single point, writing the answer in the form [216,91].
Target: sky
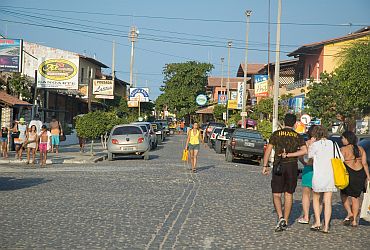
[178,31]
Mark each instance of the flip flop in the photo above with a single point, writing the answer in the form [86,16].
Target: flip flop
[303,221]
[348,221]
[316,229]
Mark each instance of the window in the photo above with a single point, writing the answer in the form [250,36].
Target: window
[309,71]
[82,75]
[127,130]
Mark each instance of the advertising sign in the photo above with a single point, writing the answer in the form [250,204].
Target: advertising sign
[139,94]
[103,87]
[11,55]
[58,73]
[240,95]
[261,86]
[201,100]
[232,104]
[133,104]
[222,99]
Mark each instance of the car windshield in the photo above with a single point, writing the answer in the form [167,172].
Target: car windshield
[144,128]
[127,130]
[217,130]
[249,134]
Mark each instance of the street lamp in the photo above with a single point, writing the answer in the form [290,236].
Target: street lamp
[222,75]
[133,35]
[248,13]
[229,44]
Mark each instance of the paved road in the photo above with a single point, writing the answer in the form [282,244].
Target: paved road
[136,204]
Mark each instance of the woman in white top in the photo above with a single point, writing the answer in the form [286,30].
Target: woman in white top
[321,150]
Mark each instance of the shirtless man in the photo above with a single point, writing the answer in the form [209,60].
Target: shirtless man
[56,130]
[44,144]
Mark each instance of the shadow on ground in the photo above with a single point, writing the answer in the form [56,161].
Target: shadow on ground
[11,183]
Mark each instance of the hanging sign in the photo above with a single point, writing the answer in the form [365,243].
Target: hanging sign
[201,100]
[141,94]
[103,87]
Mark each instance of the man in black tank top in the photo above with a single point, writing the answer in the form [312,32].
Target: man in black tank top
[284,141]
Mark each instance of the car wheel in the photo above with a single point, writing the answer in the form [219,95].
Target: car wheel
[229,155]
[146,155]
[110,156]
[218,147]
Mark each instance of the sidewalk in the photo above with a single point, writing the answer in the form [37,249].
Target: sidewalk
[69,154]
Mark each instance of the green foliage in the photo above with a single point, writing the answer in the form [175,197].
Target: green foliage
[96,123]
[265,128]
[264,109]
[218,111]
[18,85]
[234,118]
[182,83]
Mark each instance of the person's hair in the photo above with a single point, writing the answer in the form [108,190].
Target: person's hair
[290,120]
[53,117]
[309,131]
[33,126]
[44,127]
[319,132]
[352,140]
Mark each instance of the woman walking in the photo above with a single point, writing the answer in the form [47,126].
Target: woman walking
[321,150]
[306,182]
[4,141]
[21,128]
[32,139]
[193,145]
[358,170]
[44,143]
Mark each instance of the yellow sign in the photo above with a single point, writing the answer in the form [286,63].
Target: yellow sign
[300,127]
[133,104]
[58,69]
[232,104]
[261,89]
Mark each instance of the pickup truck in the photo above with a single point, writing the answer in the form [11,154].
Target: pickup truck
[222,138]
[245,143]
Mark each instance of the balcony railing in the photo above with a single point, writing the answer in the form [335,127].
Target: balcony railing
[300,84]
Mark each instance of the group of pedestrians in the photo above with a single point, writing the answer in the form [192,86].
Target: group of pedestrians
[317,176]
[30,138]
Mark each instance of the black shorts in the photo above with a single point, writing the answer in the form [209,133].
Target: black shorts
[287,182]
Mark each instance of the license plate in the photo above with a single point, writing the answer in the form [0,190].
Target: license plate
[249,144]
[128,149]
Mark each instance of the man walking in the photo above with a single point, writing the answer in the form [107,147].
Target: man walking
[55,130]
[284,141]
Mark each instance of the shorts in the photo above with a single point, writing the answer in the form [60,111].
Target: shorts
[2,139]
[55,140]
[43,147]
[287,182]
[307,176]
[193,146]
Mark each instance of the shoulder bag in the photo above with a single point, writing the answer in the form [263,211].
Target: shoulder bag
[341,176]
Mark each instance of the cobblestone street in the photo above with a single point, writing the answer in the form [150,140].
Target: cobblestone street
[155,204]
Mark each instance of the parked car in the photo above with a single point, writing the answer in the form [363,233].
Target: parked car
[165,126]
[209,129]
[159,131]
[245,143]
[214,134]
[128,140]
[149,132]
[222,138]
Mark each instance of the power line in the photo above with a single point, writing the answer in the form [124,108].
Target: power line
[183,18]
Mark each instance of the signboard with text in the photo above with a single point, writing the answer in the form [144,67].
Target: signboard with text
[103,88]
[11,55]
[222,99]
[261,85]
[139,94]
[232,104]
[58,73]
[240,95]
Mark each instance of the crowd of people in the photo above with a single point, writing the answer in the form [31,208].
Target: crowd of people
[31,138]
[317,176]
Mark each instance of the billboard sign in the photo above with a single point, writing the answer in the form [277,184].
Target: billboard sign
[58,73]
[240,95]
[201,100]
[11,55]
[261,86]
[232,104]
[103,87]
[222,99]
[139,94]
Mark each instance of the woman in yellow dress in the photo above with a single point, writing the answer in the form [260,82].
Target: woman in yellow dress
[193,145]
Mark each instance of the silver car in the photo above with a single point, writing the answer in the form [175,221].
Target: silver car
[149,132]
[128,140]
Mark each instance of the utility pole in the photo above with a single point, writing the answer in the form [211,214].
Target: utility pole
[222,75]
[248,13]
[113,60]
[275,117]
[89,89]
[268,43]
[229,44]
[133,35]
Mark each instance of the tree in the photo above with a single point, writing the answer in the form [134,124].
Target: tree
[218,111]
[182,83]
[264,109]
[18,85]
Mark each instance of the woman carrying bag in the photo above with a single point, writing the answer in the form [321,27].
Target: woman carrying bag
[358,170]
[193,145]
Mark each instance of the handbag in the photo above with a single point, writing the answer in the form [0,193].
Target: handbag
[277,168]
[62,137]
[341,176]
[185,154]
[365,208]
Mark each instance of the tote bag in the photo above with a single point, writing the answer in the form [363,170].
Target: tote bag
[185,155]
[341,177]
[365,208]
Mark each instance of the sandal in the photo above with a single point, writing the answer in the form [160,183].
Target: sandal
[315,228]
[347,221]
[303,221]
[194,170]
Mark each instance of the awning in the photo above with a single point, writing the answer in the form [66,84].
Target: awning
[205,110]
[12,101]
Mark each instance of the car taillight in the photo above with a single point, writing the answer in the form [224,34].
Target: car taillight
[140,140]
[213,136]
[233,142]
[114,141]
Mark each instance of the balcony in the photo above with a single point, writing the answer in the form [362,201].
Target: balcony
[300,84]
